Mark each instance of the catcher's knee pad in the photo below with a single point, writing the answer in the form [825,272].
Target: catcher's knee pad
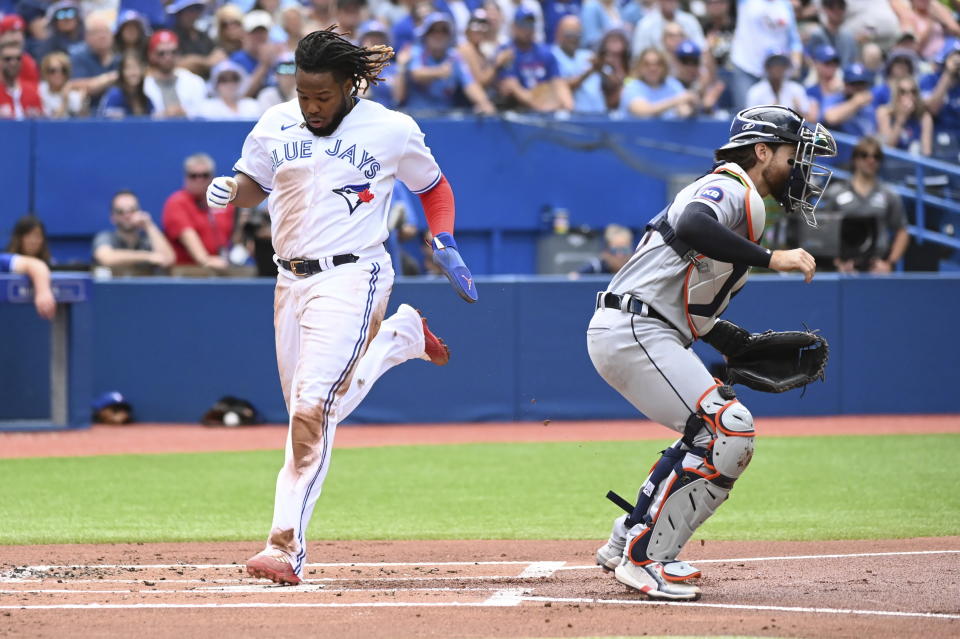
[702,481]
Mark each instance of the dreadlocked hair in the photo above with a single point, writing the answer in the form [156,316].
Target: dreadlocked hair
[325,50]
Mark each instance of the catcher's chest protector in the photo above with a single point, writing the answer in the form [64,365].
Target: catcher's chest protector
[709,284]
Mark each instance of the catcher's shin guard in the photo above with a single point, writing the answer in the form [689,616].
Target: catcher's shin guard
[696,487]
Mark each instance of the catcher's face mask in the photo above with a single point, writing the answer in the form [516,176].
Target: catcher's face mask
[807,178]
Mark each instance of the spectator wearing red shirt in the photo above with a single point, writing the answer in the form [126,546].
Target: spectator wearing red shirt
[199,235]
[12,29]
[18,100]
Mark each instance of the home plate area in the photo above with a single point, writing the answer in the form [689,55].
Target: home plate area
[836,593]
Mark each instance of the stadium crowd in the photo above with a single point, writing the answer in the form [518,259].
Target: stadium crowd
[867,67]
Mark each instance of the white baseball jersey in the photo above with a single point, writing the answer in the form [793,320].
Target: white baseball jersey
[692,295]
[330,195]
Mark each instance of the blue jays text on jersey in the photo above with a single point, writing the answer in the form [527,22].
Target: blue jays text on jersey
[367,163]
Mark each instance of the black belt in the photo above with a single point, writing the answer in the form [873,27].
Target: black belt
[637,307]
[306,268]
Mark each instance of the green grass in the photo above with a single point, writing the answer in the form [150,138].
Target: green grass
[795,489]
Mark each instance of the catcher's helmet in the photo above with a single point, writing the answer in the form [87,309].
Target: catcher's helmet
[772,124]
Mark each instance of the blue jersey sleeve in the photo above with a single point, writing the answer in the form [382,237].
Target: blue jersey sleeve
[6,262]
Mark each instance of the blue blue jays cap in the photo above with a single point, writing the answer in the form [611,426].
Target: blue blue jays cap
[111,398]
[435,18]
[130,15]
[179,5]
[857,73]
[687,49]
[951,45]
[825,53]
[523,15]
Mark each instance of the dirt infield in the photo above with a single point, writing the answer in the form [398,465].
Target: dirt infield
[489,588]
[480,589]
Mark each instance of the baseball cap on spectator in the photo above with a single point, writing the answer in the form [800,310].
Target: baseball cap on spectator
[129,15]
[226,66]
[257,19]
[776,57]
[286,65]
[179,5]
[687,50]
[825,53]
[479,20]
[164,36]
[857,73]
[902,54]
[373,26]
[435,18]
[63,10]
[951,45]
[12,22]
[524,16]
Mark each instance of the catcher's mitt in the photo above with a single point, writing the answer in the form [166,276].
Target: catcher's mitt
[772,362]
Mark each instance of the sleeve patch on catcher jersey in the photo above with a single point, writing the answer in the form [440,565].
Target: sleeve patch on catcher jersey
[712,192]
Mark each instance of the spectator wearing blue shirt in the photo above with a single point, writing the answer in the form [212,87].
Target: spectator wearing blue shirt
[901,63]
[258,55]
[905,123]
[554,11]
[598,17]
[391,91]
[576,65]
[531,78]
[405,29]
[126,97]
[828,89]
[941,90]
[697,77]
[39,274]
[66,30]
[437,75]
[856,113]
[655,94]
[94,63]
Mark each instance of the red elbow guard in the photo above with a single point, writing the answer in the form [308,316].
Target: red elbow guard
[438,207]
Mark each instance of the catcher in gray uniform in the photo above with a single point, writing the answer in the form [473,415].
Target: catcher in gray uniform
[694,257]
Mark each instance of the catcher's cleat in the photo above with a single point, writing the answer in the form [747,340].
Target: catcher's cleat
[434,348]
[610,554]
[649,580]
[680,571]
[273,565]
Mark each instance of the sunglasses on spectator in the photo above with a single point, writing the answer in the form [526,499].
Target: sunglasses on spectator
[200,176]
[865,155]
[911,90]
[65,14]
[132,209]
[163,53]
[228,78]
[57,70]
[12,58]
[690,61]
[230,23]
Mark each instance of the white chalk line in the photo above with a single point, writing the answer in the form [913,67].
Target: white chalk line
[13,580]
[8,574]
[252,588]
[836,611]
[506,597]
[788,557]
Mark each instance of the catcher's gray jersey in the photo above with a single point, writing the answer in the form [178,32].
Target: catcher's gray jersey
[692,290]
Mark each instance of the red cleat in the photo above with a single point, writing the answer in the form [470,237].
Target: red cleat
[433,347]
[272,565]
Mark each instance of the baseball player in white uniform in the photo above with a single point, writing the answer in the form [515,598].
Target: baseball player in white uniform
[328,161]
[693,258]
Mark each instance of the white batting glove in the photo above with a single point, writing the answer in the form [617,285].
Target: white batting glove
[221,192]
